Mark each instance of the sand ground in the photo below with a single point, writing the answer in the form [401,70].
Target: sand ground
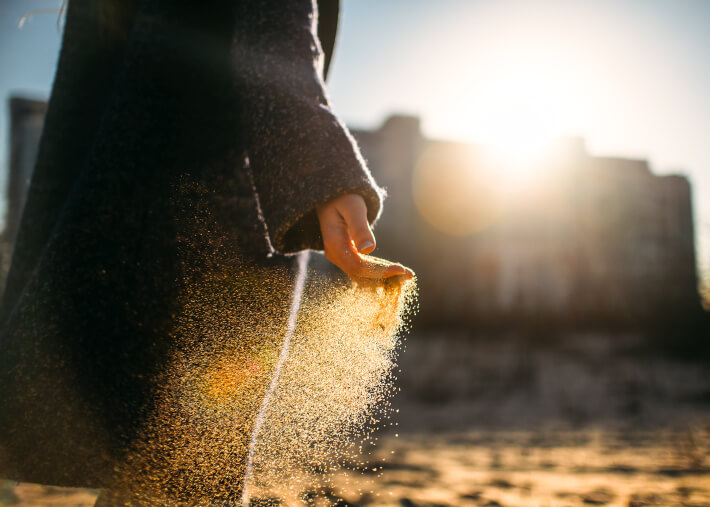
[511,423]
[551,468]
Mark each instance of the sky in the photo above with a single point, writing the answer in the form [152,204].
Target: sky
[630,76]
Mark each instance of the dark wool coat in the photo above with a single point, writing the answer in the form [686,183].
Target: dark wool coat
[181,136]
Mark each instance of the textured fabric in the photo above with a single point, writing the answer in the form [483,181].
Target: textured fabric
[167,119]
[288,111]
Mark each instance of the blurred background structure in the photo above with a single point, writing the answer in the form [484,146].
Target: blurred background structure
[590,241]
[26,122]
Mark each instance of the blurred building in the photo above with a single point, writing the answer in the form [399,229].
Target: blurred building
[26,122]
[571,238]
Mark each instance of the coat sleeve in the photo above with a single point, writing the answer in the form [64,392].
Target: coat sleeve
[301,155]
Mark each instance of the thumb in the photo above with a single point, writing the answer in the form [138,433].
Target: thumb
[364,239]
[354,211]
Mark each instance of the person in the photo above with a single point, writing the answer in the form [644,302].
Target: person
[182,138]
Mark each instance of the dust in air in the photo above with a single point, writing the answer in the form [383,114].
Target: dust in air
[333,388]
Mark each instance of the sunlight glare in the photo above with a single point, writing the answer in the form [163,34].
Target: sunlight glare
[515,105]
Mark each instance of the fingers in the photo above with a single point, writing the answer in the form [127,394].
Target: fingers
[347,235]
[353,209]
[365,267]
[398,270]
[340,251]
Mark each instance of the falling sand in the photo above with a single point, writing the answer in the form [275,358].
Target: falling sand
[278,373]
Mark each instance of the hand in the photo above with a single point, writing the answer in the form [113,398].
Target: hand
[347,236]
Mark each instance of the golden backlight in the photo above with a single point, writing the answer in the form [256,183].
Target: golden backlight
[452,193]
[517,100]
[513,104]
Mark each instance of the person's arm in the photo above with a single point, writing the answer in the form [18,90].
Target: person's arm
[311,180]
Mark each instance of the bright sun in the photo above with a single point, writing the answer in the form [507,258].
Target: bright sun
[513,107]
[516,106]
